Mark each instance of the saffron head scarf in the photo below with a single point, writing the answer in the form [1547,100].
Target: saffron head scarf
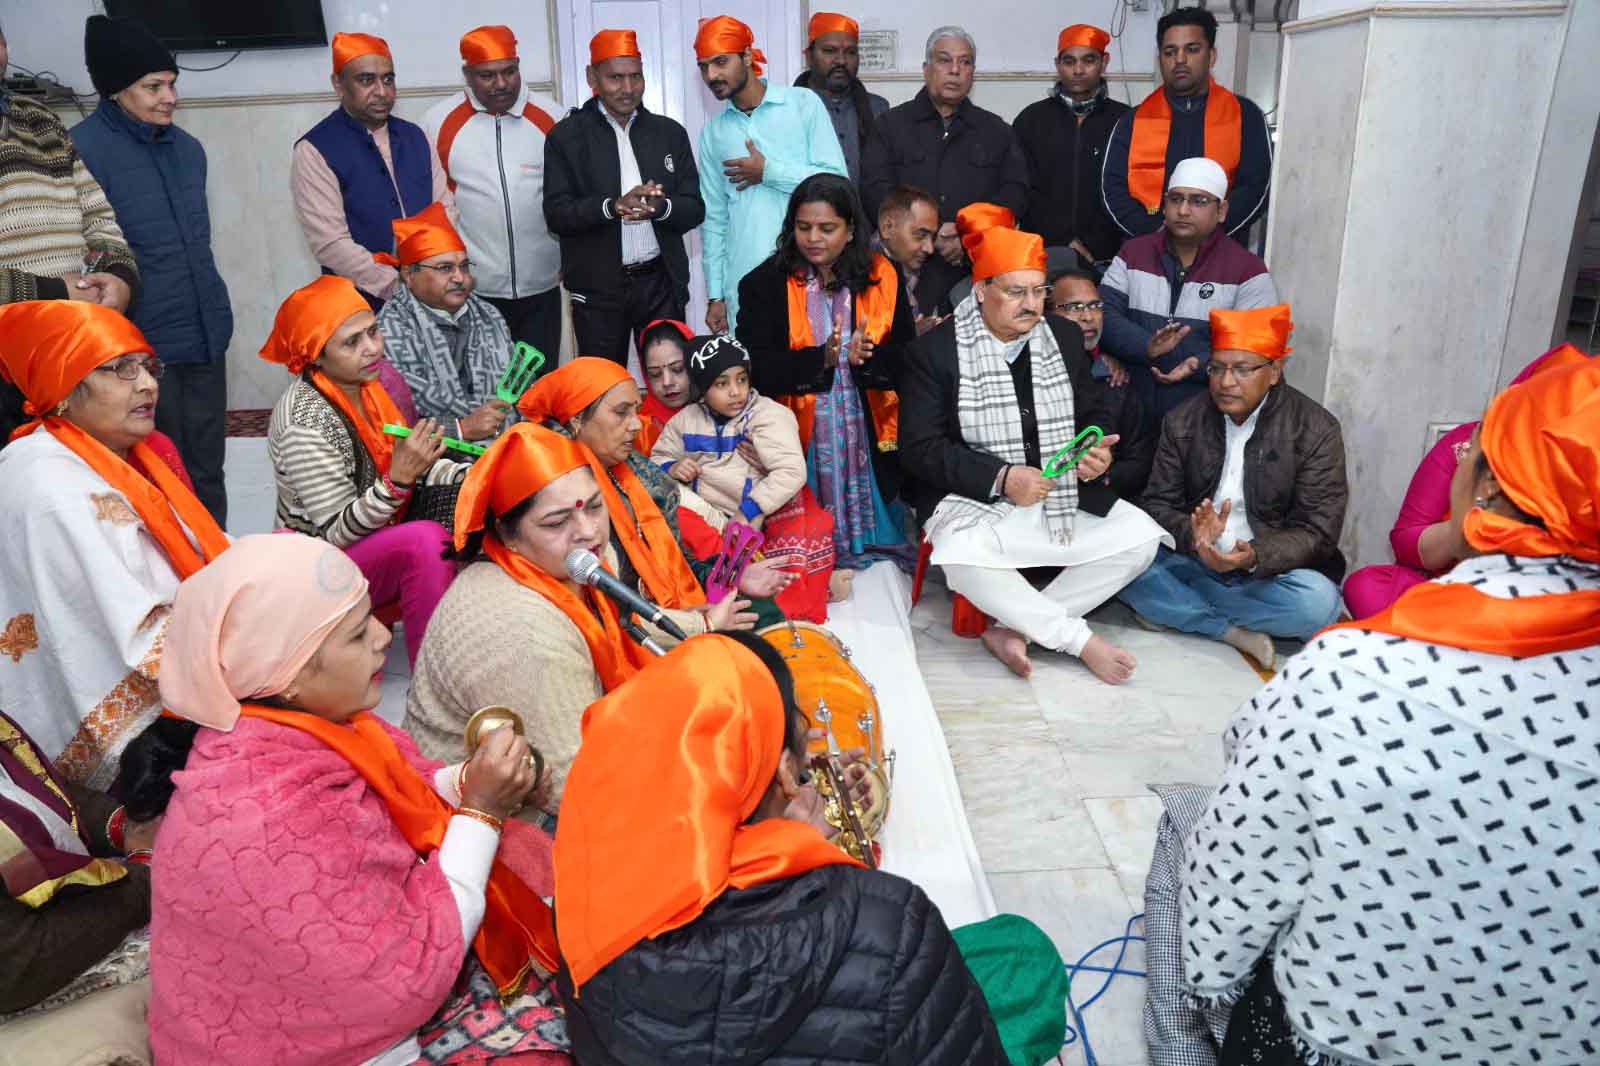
[52,345]
[486,44]
[422,236]
[308,318]
[1081,35]
[994,244]
[613,44]
[725,35]
[633,863]
[638,525]
[831,22]
[244,626]
[1261,330]
[348,46]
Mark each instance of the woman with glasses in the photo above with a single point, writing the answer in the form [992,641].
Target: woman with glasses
[826,328]
[98,534]
[384,500]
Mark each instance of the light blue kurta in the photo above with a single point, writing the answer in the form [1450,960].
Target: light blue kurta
[792,130]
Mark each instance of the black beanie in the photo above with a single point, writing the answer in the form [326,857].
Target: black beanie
[711,356]
[120,51]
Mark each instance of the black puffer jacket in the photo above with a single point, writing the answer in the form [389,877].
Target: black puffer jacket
[840,965]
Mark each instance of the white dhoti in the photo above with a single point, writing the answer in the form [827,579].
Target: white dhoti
[981,563]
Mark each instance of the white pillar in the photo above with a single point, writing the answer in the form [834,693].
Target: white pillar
[1410,137]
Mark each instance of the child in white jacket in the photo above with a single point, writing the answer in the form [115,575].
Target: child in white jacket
[741,453]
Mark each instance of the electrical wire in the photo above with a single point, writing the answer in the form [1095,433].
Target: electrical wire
[219,66]
[1076,1029]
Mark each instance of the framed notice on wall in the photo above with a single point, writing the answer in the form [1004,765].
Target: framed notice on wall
[877,49]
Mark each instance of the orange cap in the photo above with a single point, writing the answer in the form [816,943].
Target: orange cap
[348,46]
[723,35]
[52,345]
[525,459]
[613,44]
[308,318]
[1082,35]
[1262,330]
[487,44]
[977,217]
[565,392]
[831,22]
[1542,439]
[425,234]
[1000,250]
[632,863]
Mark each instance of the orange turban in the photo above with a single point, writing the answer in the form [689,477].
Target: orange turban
[1262,330]
[613,44]
[723,35]
[1542,440]
[52,345]
[632,863]
[831,22]
[348,46]
[422,236]
[994,244]
[1081,35]
[525,459]
[487,44]
[563,393]
[308,318]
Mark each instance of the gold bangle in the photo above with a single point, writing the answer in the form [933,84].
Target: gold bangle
[461,782]
[481,816]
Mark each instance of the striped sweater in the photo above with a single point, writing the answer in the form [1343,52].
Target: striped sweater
[328,486]
[52,211]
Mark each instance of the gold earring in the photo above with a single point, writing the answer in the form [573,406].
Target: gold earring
[60,409]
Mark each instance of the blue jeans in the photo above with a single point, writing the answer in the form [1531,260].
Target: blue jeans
[1179,591]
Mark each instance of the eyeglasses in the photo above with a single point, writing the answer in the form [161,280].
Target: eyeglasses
[1240,373]
[1078,307]
[1014,293]
[1193,199]
[444,270]
[127,368]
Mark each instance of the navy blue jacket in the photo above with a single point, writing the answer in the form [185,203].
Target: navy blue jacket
[155,178]
[370,204]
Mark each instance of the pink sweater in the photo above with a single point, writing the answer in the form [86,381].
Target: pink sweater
[290,920]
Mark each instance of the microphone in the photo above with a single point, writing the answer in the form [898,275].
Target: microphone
[583,566]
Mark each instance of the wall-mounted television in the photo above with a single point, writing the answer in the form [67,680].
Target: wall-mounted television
[208,26]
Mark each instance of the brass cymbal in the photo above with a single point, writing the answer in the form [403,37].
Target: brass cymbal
[486,720]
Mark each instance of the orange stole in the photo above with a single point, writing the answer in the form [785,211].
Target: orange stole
[874,313]
[518,928]
[1152,125]
[157,494]
[1460,616]
[377,408]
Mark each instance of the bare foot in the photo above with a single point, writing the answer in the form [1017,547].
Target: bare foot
[1010,647]
[1107,661]
[839,583]
[1256,645]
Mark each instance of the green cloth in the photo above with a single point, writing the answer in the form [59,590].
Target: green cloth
[1024,981]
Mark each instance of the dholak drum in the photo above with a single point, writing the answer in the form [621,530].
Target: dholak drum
[837,699]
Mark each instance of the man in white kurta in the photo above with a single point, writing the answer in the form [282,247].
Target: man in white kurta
[989,399]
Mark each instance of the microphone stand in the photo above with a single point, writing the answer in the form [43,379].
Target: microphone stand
[636,631]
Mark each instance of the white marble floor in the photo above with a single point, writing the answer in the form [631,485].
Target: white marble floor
[1052,770]
[1053,773]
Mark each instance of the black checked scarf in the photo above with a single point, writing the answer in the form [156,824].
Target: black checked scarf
[1413,832]
[418,344]
[988,411]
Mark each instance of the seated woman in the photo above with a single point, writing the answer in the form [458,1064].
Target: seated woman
[703,881]
[741,452]
[318,883]
[664,355]
[97,536]
[827,330]
[1387,872]
[1424,540]
[516,631]
[596,402]
[340,477]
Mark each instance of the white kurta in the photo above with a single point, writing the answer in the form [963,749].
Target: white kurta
[85,595]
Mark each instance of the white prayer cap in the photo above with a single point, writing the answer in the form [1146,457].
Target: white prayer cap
[1201,173]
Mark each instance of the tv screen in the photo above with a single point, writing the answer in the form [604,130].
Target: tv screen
[207,26]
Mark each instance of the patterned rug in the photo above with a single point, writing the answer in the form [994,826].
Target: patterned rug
[249,422]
